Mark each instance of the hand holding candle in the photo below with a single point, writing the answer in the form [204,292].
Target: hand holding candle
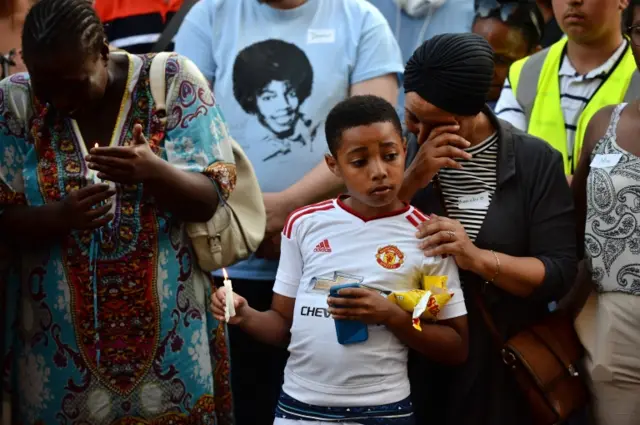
[229,309]
[226,305]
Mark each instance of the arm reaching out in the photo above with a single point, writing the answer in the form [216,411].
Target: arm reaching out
[270,327]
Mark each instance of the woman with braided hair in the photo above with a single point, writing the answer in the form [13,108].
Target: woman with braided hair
[108,316]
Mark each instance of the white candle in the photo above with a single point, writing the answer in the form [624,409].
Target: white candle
[229,309]
[96,179]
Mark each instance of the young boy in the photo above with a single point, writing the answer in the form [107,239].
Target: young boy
[365,237]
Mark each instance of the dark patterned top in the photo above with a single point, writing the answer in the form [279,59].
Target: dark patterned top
[612,233]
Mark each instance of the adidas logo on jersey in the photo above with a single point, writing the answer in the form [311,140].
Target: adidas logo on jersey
[323,246]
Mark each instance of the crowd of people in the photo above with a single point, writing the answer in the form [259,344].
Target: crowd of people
[489,143]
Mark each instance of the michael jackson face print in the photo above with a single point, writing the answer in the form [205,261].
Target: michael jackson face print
[271,80]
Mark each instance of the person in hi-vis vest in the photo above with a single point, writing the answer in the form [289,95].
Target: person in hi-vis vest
[553,94]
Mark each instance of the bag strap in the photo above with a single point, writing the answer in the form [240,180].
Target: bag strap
[172,27]
[497,338]
[158,80]
[477,296]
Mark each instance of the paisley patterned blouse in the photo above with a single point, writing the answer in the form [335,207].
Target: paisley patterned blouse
[144,349]
[612,234]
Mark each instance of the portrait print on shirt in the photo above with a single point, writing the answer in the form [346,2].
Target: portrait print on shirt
[276,93]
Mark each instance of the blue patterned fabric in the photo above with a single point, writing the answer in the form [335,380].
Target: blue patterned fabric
[114,329]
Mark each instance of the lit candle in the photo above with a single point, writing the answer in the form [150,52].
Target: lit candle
[95,173]
[229,309]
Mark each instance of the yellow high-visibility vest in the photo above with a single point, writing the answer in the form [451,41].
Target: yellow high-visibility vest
[539,95]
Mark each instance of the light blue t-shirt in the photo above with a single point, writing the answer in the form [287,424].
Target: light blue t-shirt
[277,73]
[454,16]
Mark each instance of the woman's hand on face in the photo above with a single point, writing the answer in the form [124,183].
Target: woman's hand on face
[361,304]
[125,164]
[444,236]
[441,149]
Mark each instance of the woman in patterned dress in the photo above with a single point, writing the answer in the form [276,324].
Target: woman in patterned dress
[108,319]
[606,190]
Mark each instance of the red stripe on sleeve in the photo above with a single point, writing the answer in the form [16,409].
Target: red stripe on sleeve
[321,206]
[420,216]
[412,220]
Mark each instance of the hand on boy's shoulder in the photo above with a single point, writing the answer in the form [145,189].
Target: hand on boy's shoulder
[443,236]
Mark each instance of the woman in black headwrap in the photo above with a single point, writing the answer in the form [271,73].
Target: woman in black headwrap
[502,208]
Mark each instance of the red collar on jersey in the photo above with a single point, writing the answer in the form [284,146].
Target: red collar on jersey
[351,211]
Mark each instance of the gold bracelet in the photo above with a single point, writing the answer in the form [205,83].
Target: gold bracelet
[497,273]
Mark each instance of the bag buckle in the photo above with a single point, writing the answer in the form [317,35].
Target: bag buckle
[215,244]
[508,358]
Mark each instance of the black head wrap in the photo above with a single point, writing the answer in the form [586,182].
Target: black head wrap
[452,72]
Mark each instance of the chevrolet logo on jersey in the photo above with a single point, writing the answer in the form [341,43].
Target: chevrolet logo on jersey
[323,284]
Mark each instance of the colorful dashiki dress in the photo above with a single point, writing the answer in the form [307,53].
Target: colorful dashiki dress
[160,356]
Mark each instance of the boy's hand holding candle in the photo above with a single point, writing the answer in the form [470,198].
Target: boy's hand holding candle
[225,304]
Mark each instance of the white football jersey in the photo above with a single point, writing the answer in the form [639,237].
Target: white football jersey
[328,244]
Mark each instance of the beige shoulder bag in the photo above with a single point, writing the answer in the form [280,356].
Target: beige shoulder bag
[237,228]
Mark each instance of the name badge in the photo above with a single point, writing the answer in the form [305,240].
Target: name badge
[606,160]
[321,36]
[474,202]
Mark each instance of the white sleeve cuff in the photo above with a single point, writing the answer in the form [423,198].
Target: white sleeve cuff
[454,308]
[282,287]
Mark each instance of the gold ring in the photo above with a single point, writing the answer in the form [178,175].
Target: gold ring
[451,234]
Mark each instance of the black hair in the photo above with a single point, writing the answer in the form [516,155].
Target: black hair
[53,25]
[522,19]
[356,111]
[271,60]
[628,14]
